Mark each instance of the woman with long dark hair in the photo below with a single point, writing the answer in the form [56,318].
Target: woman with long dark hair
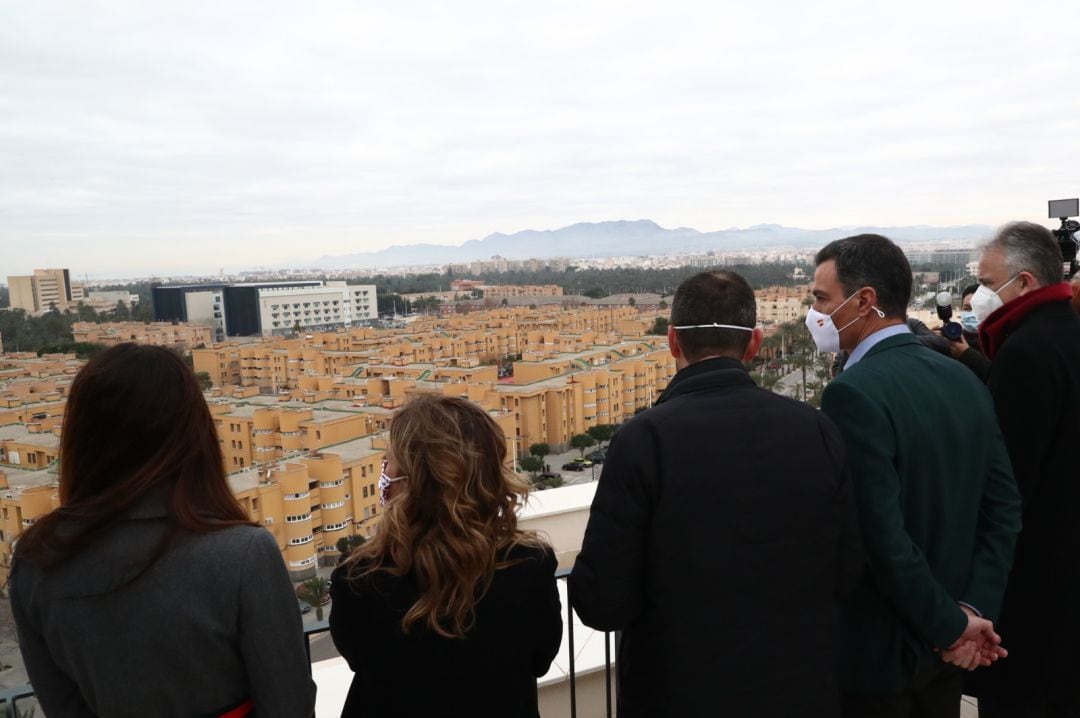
[450,609]
[148,592]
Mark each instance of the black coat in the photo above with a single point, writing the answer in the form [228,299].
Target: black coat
[723,527]
[1035,382]
[491,672]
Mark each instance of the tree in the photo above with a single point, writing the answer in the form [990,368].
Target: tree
[346,544]
[601,432]
[552,482]
[81,350]
[632,302]
[205,382]
[662,304]
[540,450]
[315,591]
[582,442]
[122,313]
[426,304]
[85,313]
[532,464]
[660,326]
[769,380]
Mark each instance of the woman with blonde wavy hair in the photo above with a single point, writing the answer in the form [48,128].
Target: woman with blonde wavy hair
[450,609]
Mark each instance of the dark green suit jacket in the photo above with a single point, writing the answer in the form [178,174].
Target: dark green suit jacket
[938,505]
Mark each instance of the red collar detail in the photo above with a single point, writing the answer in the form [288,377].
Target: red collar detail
[1004,320]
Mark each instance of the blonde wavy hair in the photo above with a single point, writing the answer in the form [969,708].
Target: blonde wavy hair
[452,517]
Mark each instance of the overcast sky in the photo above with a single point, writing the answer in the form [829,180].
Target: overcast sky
[168,137]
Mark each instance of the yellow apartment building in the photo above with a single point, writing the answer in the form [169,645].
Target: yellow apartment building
[34,446]
[302,421]
[161,334]
[779,305]
[44,290]
[498,291]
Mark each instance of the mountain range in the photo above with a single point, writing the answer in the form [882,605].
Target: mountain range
[626,237]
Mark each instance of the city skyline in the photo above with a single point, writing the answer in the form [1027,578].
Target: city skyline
[147,139]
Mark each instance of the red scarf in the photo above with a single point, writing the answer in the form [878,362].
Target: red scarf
[1004,320]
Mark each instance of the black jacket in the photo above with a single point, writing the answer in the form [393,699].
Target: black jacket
[1035,382]
[974,359]
[723,527]
[491,672]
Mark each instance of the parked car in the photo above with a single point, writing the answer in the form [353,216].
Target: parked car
[598,456]
[305,607]
[549,475]
[577,465]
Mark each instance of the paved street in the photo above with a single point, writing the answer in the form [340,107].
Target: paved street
[556,462]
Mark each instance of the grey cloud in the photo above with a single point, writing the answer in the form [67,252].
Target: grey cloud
[340,127]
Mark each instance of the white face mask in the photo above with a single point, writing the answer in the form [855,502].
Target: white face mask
[985,300]
[825,334]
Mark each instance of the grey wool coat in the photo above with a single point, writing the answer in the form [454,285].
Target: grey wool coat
[212,623]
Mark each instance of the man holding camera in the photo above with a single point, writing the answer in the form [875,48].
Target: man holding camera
[938,505]
[1031,333]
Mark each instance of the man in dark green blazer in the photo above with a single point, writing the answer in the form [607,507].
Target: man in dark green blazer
[939,508]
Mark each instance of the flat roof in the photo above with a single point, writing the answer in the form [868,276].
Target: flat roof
[19,432]
[352,450]
[19,479]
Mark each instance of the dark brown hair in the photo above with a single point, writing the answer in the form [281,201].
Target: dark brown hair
[870,260]
[454,516]
[136,422]
[718,297]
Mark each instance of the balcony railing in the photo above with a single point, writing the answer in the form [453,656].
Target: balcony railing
[19,702]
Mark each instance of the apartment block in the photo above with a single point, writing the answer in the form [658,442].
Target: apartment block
[302,421]
[779,305]
[498,291]
[106,301]
[161,334]
[44,290]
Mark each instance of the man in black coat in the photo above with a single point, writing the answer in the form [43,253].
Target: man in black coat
[722,530]
[1032,334]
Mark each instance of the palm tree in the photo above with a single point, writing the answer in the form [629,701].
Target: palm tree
[315,591]
[769,380]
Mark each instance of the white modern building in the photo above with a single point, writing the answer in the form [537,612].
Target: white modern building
[267,308]
[334,304]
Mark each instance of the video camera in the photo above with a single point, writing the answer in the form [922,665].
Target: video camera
[1063,209]
[950,330]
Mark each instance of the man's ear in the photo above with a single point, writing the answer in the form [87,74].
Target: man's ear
[1027,282]
[673,342]
[756,337]
[867,300]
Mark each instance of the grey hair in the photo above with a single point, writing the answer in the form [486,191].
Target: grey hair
[1029,247]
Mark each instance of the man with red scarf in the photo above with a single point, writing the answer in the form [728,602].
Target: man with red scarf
[1032,335]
